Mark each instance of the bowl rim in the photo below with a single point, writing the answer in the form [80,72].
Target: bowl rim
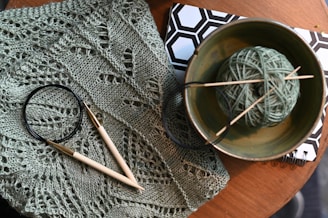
[281,25]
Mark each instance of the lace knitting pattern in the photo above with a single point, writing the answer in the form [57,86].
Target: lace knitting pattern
[110,53]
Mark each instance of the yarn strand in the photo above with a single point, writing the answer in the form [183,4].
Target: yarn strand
[270,66]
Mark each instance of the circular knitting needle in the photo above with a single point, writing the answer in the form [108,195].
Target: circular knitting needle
[95,165]
[110,144]
[49,90]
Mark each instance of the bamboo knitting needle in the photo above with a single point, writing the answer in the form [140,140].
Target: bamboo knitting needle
[95,165]
[248,81]
[233,121]
[245,81]
[110,144]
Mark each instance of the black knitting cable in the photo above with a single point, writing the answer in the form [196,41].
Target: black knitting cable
[37,135]
[165,115]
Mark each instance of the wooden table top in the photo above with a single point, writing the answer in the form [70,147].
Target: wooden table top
[256,189]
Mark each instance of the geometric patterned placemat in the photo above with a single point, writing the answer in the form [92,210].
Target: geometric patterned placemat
[189,25]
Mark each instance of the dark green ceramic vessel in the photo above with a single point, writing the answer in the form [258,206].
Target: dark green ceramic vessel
[245,142]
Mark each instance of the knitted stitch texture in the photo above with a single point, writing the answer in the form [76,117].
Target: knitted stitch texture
[110,53]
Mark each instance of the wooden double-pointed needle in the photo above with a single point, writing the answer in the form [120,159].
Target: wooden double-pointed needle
[239,82]
[110,145]
[239,116]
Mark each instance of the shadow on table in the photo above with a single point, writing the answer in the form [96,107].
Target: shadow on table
[7,211]
[3,4]
[306,203]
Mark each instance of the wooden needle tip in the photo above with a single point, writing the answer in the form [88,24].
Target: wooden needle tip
[140,187]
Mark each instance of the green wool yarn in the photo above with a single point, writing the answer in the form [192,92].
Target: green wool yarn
[259,63]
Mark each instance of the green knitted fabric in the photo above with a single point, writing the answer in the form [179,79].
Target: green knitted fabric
[111,55]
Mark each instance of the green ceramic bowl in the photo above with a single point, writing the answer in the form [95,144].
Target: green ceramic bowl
[245,142]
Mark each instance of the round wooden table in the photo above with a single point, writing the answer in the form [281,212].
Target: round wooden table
[256,189]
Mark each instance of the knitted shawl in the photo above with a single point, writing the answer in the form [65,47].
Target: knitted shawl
[110,53]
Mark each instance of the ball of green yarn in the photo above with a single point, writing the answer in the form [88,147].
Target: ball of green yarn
[259,63]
